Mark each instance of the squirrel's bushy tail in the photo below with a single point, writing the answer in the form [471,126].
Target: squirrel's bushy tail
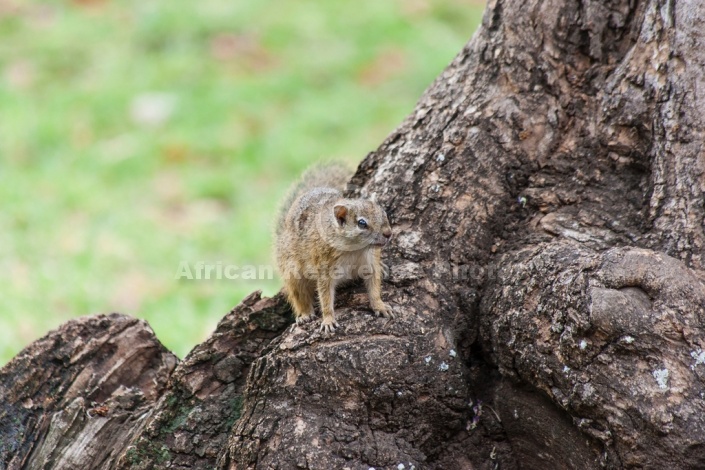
[326,175]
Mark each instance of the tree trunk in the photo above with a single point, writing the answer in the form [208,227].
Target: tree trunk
[548,267]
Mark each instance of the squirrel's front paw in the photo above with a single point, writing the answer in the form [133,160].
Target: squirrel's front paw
[383,310]
[328,325]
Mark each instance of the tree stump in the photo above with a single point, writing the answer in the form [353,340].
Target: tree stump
[548,266]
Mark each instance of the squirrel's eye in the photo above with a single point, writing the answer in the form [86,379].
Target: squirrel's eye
[362,223]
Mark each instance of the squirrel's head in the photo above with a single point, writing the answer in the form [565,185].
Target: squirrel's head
[359,223]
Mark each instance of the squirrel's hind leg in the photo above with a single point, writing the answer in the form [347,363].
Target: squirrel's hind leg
[300,293]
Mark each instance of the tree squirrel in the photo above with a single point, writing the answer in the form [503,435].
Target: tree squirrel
[324,239]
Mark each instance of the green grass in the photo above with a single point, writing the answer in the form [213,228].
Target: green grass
[99,208]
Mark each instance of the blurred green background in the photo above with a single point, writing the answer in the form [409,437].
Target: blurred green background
[138,135]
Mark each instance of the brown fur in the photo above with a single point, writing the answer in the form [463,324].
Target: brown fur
[319,244]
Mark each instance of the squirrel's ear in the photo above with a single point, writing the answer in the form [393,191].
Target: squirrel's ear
[340,212]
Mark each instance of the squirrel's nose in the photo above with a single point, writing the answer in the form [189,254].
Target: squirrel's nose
[387,232]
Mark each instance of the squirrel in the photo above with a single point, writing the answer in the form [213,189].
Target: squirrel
[324,239]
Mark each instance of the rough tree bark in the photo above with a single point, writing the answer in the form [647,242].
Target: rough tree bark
[548,198]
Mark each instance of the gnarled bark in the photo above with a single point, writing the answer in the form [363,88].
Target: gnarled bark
[547,195]
[74,398]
